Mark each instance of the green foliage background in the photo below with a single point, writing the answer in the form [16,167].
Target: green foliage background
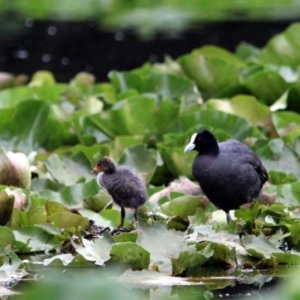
[144,118]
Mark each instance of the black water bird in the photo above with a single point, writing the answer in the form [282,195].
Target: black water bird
[229,173]
[125,187]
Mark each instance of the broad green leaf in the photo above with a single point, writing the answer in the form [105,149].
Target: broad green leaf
[35,131]
[33,216]
[221,253]
[97,250]
[288,194]
[114,217]
[247,107]
[125,237]
[42,78]
[212,68]
[259,82]
[11,261]
[123,142]
[141,159]
[277,156]
[67,219]
[68,169]
[73,194]
[33,238]
[183,206]
[97,202]
[190,261]
[13,96]
[167,86]
[247,52]
[99,219]
[237,127]
[161,253]
[131,255]
[284,121]
[7,237]
[54,207]
[69,260]
[88,131]
[51,94]
[283,48]
[259,246]
[278,178]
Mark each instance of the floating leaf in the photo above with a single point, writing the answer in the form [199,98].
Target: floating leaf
[259,246]
[68,169]
[161,253]
[190,261]
[7,237]
[130,254]
[34,238]
[66,220]
[141,159]
[97,250]
[34,216]
[212,68]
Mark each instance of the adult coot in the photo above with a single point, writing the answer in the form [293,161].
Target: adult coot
[229,173]
[126,188]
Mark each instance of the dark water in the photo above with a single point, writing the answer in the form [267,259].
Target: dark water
[66,48]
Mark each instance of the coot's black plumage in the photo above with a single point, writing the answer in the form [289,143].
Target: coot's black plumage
[126,188]
[229,173]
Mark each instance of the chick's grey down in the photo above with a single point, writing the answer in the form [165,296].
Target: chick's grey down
[229,173]
[126,189]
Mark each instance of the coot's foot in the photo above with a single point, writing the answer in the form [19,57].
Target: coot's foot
[120,230]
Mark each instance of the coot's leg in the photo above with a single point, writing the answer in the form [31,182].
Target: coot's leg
[136,214]
[228,218]
[122,217]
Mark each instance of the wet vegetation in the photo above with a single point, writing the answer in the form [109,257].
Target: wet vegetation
[53,209]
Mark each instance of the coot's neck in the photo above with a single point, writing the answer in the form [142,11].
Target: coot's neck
[110,168]
[209,146]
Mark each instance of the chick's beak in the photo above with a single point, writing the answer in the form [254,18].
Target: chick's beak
[95,169]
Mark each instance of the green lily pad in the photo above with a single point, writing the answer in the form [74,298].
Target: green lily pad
[190,261]
[68,169]
[7,237]
[259,246]
[67,219]
[182,206]
[212,68]
[283,48]
[33,132]
[141,159]
[130,254]
[248,107]
[278,156]
[34,239]
[161,253]
[97,250]
[34,216]
[259,82]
